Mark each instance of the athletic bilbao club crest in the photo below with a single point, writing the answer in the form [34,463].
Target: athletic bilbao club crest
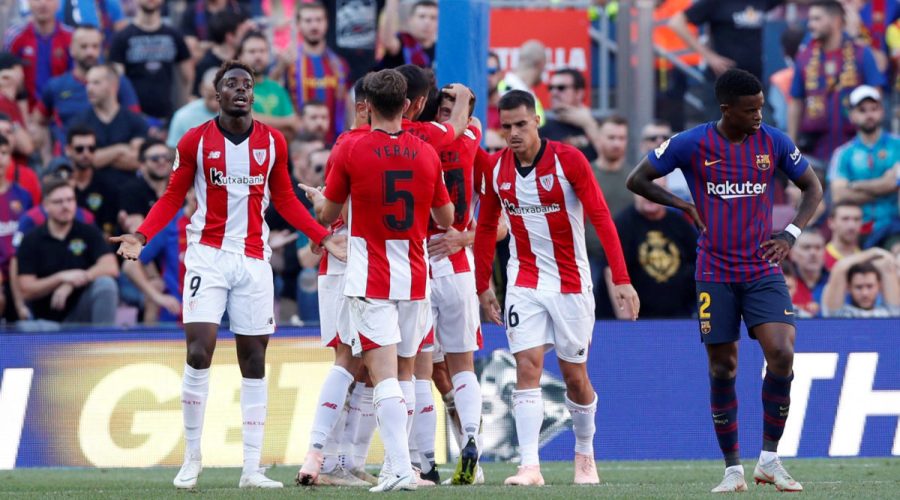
[762,162]
[547,182]
[705,327]
[259,155]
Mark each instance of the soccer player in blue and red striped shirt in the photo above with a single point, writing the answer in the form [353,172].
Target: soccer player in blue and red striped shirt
[730,167]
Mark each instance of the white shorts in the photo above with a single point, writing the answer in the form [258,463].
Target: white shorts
[457,320]
[552,319]
[216,281]
[375,323]
[437,352]
[332,309]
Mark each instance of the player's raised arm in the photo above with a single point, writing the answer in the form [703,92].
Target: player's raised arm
[462,106]
[640,181]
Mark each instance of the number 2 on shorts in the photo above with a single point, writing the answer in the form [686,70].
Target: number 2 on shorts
[705,299]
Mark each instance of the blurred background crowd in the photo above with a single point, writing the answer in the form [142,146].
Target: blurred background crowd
[94,96]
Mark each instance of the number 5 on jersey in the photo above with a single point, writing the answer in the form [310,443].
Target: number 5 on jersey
[393,195]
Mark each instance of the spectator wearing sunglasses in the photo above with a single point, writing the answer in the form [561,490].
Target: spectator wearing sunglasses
[95,188]
[495,75]
[652,136]
[570,121]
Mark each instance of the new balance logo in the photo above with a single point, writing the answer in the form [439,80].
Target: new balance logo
[427,409]
[330,405]
[214,155]
[729,190]
[505,186]
[219,178]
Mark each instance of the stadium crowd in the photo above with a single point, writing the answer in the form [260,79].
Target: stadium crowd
[95,95]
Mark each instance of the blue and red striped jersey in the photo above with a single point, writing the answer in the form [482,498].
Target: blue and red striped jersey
[46,56]
[320,78]
[732,185]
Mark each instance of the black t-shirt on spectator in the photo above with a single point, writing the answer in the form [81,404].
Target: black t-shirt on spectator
[124,127]
[395,60]
[353,32]
[661,257]
[208,61]
[193,20]
[570,134]
[137,197]
[149,58]
[42,255]
[735,28]
[101,198]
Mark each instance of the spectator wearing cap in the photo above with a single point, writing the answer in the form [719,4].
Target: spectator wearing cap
[14,201]
[66,271]
[864,285]
[826,72]
[865,170]
[43,43]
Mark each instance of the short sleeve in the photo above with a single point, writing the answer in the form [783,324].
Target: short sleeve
[139,127]
[871,74]
[187,25]
[27,253]
[117,47]
[789,158]
[670,154]
[96,245]
[128,98]
[182,51]
[700,12]
[840,170]
[46,104]
[798,91]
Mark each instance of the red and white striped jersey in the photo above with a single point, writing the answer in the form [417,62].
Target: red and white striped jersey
[393,181]
[458,165]
[546,210]
[233,184]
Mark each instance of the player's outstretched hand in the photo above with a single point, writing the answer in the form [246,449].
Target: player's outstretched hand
[129,246]
[695,216]
[627,297]
[490,306]
[336,244]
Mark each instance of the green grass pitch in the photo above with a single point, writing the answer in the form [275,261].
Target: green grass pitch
[828,478]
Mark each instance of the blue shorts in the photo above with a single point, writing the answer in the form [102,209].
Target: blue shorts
[722,305]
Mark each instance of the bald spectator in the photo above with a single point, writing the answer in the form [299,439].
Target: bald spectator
[528,73]
[416,45]
[195,112]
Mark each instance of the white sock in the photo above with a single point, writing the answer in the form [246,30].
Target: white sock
[528,408]
[425,424]
[254,395]
[194,391]
[333,444]
[332,396]
[365,428]
[351,423]
[767,456]
[390,411]
[409,395]
[583,425]
[467,394]
[737,468]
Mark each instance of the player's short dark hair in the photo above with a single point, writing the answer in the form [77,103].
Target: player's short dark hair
[515,98]
[577,77]
[386,90]
[417,82]
[221,24]
[251,35]
[862,268]
[832,7]
[146,145]
[736,83]
[52,184]
[359,90]
[423,3]
[228,66]
[791,38]
[843,203]
[79,130]
[614,120]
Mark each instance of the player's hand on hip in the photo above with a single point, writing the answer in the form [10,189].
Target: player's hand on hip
[695,216]
[129,246]
[627,299]
[336,244]
[776,249]
[490,306]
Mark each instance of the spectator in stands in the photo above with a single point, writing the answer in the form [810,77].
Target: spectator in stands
[315,72]
[66,271]
[652,136]
[195,22]
[790,279]
[12,103]
[354,33]
[845,223]
[14,201]
[272,104]
[312,174]
[808,258]
[195,112]
[65,97]
[495,75]
[493,141]
[779,95]
[672,82]
[735,32]
[866,277]
[867,23]
[96,189]
[826,71]
[316,119]
[660,248]
[147,52]
[105,15]
[609,167]
[570,120]
[527,73]
[138,195]
[17,171]
[226,29]
[864,171]
[893,50]
[416,45]
[119,132]
[43,43]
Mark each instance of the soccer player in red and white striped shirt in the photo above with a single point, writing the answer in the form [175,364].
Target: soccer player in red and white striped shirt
[236,165]
[546,189]
[394,184]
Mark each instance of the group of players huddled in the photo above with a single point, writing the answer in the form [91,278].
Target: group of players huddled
[407,268]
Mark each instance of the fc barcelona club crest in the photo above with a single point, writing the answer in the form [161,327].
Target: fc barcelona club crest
[547,182]
[259,155]
[763,162]
[705,327]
